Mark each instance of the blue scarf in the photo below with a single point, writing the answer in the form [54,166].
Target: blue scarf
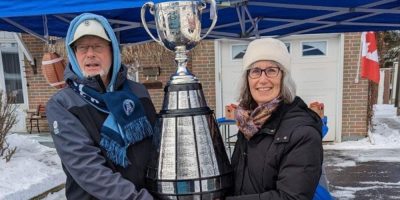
[125,124]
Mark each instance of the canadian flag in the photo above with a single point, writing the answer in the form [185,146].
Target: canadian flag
[369,57]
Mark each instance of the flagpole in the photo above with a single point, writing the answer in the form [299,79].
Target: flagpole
[370,70]
[357,79]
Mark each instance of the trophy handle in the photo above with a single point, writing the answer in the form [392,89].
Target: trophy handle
[213,12]
[142,15]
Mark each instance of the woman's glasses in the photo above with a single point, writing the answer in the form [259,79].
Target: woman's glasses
[270,72]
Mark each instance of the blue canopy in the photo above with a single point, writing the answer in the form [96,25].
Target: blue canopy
[236,18]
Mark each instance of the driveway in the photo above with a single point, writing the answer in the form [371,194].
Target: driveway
[364,173]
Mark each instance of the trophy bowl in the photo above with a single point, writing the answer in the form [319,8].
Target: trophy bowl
[178,23]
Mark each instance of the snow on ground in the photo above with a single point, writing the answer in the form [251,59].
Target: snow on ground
[33,169]
[347,193]
[385,133]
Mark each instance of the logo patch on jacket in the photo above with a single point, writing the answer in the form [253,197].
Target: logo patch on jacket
[55,127]
[129,106]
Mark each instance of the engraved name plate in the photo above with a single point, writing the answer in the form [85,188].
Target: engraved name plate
[187,162]
[194,101]
[167,150]
[172,101]
[183,101]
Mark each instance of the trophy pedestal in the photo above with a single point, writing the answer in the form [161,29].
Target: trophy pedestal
[192,162]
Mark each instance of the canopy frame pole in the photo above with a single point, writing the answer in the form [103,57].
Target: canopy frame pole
[45,28]
[33,33]
[346,22]
[363,8]
[337,11]
[62,18]
[254,22]
[243,13]
[241,23]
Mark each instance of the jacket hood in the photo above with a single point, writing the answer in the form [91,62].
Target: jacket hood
[116,64]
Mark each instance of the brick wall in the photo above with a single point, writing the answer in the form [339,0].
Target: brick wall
[201,63]
[151,59]
[355,95]
[203,66]
[39,91]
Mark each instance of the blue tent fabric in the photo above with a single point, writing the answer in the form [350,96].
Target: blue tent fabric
[273,17]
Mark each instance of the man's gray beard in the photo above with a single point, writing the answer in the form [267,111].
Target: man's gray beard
[87,75]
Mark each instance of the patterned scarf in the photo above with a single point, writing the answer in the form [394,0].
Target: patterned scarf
[250,121]
[125,124]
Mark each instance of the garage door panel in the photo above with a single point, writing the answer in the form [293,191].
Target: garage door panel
[314,66]
[314,60]
[315,76]
[314,83]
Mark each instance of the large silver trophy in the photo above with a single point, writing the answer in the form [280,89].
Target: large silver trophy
[191,161]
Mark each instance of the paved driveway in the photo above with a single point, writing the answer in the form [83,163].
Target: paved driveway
[364,174]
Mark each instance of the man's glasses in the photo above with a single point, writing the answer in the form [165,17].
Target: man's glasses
[270,72]
[98,48]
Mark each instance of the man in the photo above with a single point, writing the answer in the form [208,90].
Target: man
[101,123]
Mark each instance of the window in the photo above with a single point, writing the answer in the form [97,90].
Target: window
[238,51]
[314,48]
[12,76]
[287,44]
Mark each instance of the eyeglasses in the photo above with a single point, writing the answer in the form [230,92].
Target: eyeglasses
[98,48]
[270,72]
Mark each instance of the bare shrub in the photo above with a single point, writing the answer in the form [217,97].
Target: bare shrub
[8,118]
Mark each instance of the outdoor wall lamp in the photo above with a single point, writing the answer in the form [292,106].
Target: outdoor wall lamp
[34,66]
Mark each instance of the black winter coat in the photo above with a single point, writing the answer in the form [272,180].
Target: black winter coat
[75,127]
[283,160]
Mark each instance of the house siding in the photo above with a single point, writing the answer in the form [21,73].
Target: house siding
[39,91]
[355,95]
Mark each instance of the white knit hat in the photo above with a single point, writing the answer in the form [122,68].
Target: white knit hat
[90,27]
[266,49]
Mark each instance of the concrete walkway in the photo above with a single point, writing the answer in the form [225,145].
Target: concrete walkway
[43,138]
[392,123]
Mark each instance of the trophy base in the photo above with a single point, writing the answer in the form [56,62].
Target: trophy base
[209,196]
[202,188]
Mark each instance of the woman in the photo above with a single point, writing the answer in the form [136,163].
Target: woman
[278,154]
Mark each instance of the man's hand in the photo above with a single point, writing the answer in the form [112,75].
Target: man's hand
[318,108]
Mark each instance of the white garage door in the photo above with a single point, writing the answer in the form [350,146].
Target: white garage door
[317,62]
